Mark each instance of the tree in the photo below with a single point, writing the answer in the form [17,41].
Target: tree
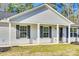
[10,8]
[65,11]
[20,7]
[68,12]
[53,5]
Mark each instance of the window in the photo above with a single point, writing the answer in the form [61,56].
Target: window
[73,32]
[45,31]
[22,31]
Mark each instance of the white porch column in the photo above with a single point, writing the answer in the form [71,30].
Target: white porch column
[57,33]
[9,33]
[69,34]
[38,33]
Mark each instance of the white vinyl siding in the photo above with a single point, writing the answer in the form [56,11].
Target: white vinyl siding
[4,33]
[78,32]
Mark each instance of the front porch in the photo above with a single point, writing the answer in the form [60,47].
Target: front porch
[47,34]
[59,34]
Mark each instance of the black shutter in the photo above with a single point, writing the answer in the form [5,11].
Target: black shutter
[50,31]
[17,32]
[67,32]
[28,31]
[41,31]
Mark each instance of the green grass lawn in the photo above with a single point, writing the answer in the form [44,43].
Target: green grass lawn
[43,50]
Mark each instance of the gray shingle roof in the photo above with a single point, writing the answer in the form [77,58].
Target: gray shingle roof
[5,14]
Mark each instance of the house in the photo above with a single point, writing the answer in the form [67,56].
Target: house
[40,25]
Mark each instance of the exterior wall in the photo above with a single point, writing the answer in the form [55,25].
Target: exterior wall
[33,38]
[34,33]
[78,34]
[4,33]
[73,39]
[49,40]
[64,39]
[54,34]
[23,40]
[78,39]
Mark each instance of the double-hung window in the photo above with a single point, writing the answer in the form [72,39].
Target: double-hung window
[45,32]
[22,31]
[73,32]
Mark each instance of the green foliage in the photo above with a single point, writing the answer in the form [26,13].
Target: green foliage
[19,7]
[73,18]
[53,5]
[10,7]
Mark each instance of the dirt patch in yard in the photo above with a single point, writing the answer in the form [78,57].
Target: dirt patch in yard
[4,49]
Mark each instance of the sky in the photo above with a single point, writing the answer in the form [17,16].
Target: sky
[59,7]
[36,4]
[74,6]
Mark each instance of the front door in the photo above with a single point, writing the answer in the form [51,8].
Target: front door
[60,34]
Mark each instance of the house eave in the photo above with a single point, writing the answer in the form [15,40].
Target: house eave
[4,20]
